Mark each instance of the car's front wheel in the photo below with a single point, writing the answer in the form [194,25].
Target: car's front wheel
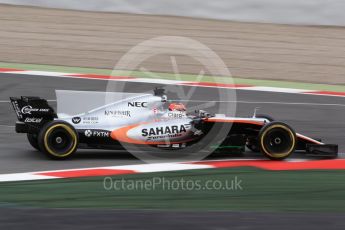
[277,140]
[58,140]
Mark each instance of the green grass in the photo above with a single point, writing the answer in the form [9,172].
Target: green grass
[261,191]
[183,77]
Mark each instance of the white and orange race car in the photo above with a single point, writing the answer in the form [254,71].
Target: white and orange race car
[147,122]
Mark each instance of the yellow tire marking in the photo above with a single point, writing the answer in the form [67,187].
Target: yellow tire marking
[69,130]
[278,155]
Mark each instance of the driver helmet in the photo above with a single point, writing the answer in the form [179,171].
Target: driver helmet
[177,107]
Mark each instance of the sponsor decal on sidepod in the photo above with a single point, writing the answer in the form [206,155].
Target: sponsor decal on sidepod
[164,131]
[96,133]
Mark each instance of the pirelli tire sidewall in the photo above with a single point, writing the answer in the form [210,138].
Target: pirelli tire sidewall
[66,133]
[289,142]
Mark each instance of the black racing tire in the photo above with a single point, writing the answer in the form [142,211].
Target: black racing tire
[252,143]
[58,140]
[33,140]
[277,140]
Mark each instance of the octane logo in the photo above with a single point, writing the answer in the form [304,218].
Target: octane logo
[76,120]
[180,53]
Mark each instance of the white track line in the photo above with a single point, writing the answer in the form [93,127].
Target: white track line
[134,169]
[7,126]
[246,102]
[171,82]
[275,89]
[265,102]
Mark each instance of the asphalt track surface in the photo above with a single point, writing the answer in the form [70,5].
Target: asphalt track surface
[317,116]
[123,219]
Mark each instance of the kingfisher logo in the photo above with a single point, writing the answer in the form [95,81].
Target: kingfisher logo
[137,104]
[117,113]
[76,120]
[162,131]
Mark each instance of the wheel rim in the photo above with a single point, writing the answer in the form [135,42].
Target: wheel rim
[60,140]
[278,141]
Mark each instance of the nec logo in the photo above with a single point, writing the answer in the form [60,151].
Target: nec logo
[137,104]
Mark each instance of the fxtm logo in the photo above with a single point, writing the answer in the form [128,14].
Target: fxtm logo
[96,133]
[76,120]
[88,133]
[137,104]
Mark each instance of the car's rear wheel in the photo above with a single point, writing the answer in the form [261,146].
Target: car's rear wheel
[33,140]
[58,140]
[277,140]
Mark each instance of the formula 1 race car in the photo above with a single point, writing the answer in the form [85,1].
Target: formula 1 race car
[145,120]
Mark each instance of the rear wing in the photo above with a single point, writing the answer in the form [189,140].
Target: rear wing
[32,113]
